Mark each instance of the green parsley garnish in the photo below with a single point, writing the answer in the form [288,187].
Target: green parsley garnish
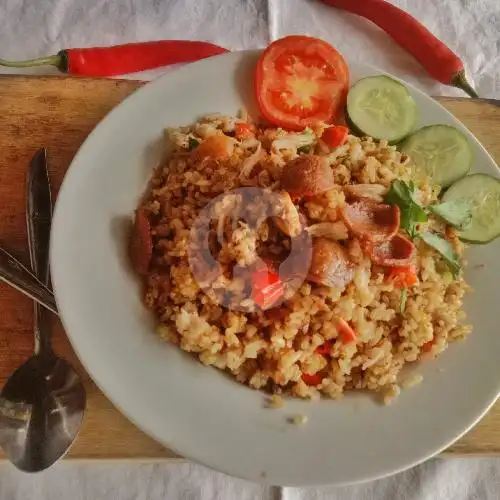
[444,247]
[305,149]
[193,143]
[404,297]
[405,197]
[458,213]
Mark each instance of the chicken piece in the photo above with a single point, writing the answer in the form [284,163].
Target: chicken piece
[288,219]
[374,192]
[307,175]
[331,230]
[330,265]
[370,220]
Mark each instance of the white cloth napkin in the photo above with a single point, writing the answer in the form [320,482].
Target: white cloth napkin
[30,28]
[450,479]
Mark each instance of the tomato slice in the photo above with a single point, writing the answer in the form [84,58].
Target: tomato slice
[300,81]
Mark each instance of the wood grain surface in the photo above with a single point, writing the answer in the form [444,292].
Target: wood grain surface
[58,113]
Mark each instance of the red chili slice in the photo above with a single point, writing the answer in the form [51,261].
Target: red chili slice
[335,136]
[370,220]
[396,252]
[267,288]
[346,333]
[141,245]
[312,379]
[324,349]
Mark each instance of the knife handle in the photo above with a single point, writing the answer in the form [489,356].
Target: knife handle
[15,274]
[38,222]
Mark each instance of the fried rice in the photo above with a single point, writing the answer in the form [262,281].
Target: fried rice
[278,349]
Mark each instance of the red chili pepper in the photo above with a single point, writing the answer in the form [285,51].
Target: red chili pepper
[324,349]
[439,61]
[335,136]
[346,333]
[123,59]
[312,379]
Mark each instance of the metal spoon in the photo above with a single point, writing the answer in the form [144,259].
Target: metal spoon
[42,403]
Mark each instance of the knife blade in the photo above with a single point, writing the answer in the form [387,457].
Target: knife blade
[38,222]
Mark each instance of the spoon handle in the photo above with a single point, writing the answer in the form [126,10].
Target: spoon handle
[38,222]
[15,274]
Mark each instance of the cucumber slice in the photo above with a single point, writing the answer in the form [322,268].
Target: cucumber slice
[440,151]
[482,193]
[382,108]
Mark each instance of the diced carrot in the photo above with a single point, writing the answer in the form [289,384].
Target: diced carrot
[215,146]
[403,276]
[346,333]
[335,136]
[312,379]
[244,130]
[428,346]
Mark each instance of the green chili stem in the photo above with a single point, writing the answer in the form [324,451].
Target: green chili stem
[461,82]
[41,61]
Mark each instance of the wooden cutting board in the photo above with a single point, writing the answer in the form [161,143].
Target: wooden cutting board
[59,113]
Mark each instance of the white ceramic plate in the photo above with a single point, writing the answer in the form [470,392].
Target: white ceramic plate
[195,410]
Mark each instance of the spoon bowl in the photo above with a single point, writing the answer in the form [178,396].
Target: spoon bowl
[41,411]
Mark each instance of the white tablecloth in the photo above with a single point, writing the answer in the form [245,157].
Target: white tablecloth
[30,28]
